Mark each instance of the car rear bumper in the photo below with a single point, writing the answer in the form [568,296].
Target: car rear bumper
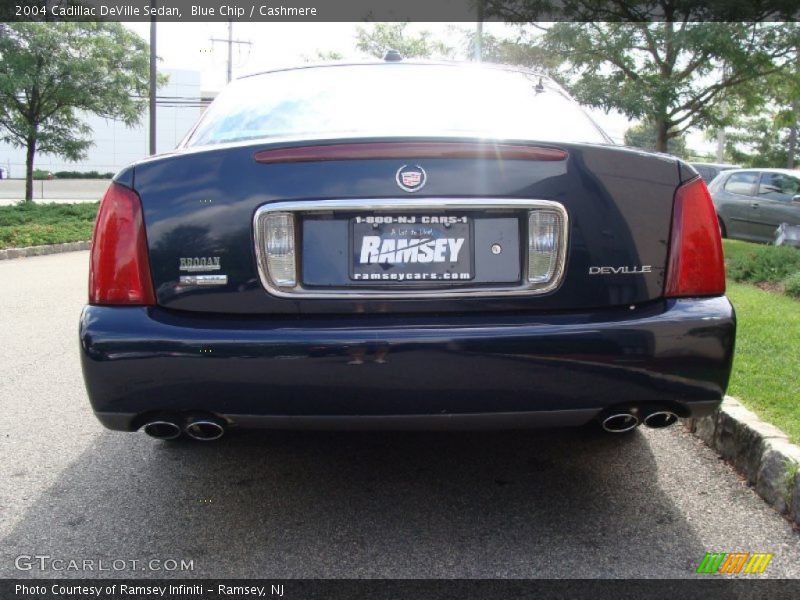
[417,371]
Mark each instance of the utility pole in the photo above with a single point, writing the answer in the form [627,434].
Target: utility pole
[793,135]
[230,52]
[721,145]
[795,117]
[479,33]
[153,80]
[721,130]
[230,41]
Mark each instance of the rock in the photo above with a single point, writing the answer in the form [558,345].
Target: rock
[776,477]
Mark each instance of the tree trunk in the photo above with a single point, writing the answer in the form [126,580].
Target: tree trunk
[29,169]
[661,135]
[792,150]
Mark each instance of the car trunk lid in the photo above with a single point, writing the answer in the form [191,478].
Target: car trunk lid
[200,210]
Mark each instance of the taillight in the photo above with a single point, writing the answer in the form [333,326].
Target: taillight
[696,266]
[119,272]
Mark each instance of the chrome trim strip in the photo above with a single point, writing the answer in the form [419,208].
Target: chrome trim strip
[410,204]
[203,280]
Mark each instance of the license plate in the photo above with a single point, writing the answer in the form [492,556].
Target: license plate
[411,249]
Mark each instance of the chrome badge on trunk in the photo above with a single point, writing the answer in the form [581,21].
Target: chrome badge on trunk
[411,178]
[199,263]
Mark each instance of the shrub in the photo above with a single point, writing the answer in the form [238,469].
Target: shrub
[83,175]
[41,174]
[791,285]
[759,264]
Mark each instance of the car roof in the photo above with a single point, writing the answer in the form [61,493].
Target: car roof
[715,165]
[793,172]
[388,64]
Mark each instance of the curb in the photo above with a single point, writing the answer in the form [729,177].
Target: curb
[9,253]
[759,451]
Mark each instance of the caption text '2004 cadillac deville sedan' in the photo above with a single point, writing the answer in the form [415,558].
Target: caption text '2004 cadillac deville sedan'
[403,245]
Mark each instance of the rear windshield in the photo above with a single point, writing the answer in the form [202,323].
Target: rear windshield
[404,100]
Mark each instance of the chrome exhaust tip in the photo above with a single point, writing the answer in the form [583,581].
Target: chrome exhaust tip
[620,423]
[660,419]
[162,429]
[204,430]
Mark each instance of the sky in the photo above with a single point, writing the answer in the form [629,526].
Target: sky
[189,46]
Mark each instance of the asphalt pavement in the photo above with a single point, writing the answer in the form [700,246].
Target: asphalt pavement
[559,503]
[53,190]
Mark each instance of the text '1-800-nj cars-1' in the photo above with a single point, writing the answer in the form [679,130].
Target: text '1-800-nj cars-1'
[403,245]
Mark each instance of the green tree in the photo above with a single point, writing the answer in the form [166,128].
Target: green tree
[787,96]
[768,138]
[380,37]
[644,136]
[521,50]
[761,141]
[52,70]
[676,72]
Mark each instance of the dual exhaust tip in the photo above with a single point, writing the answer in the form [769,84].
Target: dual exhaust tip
[623,421]
[205,429]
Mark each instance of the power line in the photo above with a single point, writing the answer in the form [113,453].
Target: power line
[153,80]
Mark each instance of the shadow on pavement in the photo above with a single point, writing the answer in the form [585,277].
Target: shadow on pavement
[558,503]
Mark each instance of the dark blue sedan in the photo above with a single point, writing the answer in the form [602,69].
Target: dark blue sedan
[403,245]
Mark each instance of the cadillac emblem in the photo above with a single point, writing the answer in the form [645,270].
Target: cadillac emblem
[411,178]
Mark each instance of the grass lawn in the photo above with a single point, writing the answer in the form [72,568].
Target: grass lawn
[36,224]
[766,365]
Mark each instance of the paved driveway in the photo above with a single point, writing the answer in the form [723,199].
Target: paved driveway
[518,504]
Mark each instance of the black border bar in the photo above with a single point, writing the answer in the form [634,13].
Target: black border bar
[399,10]
[398,589]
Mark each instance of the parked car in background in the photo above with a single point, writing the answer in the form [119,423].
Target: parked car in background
[752,203]
[3,173]
[708,171]
[403,245]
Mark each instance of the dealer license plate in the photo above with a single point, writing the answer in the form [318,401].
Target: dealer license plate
[402,249]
